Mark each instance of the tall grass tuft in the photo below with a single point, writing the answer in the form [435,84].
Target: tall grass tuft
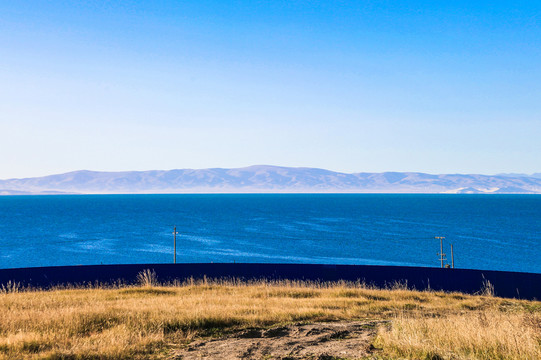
[10,287]
[147,278]
[487,288]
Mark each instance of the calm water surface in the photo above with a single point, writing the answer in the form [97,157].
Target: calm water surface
[499,232]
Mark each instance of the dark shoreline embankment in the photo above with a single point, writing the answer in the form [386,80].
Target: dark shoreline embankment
[505,284]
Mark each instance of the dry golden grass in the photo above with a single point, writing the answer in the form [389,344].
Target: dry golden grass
[489,334]
[151,322]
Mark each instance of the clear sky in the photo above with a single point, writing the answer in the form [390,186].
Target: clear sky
[430,86]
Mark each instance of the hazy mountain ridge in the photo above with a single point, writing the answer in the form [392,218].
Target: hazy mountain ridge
[263,178]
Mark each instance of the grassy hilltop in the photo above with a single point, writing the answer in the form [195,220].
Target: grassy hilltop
[189,320]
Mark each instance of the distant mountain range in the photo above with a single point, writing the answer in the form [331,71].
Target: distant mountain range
[268,179]
[535,175]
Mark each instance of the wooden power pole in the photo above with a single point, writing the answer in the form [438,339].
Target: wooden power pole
[175,245]
[441,254]
[452,258]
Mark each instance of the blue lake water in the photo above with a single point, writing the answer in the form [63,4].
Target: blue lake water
[497,232]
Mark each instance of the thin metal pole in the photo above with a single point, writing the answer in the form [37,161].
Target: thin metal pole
[452,257]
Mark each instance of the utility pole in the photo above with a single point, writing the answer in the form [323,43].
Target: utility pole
[452,258]
[175,245]
[441,254]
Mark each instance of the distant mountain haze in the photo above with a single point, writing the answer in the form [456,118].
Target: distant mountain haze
[268,179]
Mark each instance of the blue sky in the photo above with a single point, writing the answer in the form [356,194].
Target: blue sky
[431,86]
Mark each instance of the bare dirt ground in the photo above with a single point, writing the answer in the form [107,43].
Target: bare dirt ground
[319,341]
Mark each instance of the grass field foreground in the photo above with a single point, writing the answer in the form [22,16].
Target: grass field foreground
[153,321]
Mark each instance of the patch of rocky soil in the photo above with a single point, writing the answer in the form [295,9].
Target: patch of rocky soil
[319,341]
